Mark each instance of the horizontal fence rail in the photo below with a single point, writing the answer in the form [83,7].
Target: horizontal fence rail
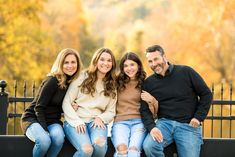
[220,122]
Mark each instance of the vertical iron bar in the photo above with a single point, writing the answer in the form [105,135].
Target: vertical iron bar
[24,91]
[15,93]
[230,108]
[33,89]
[203,127]
[3,107]
[221,110]
[212,113]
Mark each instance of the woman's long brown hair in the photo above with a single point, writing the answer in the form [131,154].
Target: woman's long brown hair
[88,85]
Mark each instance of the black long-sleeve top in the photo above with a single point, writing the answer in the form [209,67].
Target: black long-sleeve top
[182,95]
[46,108]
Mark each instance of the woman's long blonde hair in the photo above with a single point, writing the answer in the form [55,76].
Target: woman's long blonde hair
[57,68]
[88,85]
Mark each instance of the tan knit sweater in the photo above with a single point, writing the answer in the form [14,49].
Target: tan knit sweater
[128,102]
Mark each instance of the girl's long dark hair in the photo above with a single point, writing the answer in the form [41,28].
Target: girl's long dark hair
[123,79]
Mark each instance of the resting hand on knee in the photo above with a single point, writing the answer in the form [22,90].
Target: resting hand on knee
[156,134]
[194,122]
[81,129]
[98,123]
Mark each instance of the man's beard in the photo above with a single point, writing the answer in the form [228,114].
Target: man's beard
[162,65]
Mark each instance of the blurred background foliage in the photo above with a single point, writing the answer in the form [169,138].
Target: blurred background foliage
[200,34]
[197,33]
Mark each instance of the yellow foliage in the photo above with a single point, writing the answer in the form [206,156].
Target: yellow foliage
[200,34]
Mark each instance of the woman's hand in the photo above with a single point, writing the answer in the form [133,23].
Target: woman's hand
[81,129]
[151,101]
[98,123]
[148,98]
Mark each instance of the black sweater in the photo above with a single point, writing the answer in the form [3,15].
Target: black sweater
[46,108]
[182,95]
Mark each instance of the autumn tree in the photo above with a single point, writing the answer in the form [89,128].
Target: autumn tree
[23,44]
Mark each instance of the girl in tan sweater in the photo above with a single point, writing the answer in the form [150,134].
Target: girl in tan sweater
[128,131]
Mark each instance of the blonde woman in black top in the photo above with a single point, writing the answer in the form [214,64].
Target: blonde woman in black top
[41,121]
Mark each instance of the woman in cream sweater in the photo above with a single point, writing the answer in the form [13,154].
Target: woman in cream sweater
[95,94]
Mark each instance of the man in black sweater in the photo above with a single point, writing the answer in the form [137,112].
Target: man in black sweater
[184,101]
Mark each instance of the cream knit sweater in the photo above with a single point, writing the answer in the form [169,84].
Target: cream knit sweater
[90,107]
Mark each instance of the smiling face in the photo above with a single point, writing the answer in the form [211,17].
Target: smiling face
[70,65]
[130,68]
[157,62]
[104,64]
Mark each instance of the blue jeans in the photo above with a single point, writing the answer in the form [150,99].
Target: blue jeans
[90,139]
[130,133]
[48,144]
[187,138]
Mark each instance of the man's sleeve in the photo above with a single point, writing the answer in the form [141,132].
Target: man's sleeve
[145,112]
[204,94]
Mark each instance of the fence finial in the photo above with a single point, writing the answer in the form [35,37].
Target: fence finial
[3,85]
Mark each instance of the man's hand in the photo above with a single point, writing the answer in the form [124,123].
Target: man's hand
[194,122]
[156,135]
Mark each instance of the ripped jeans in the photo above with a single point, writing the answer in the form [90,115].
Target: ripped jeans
[130,133]
[80,141]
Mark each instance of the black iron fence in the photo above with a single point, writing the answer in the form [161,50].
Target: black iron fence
[220,122]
